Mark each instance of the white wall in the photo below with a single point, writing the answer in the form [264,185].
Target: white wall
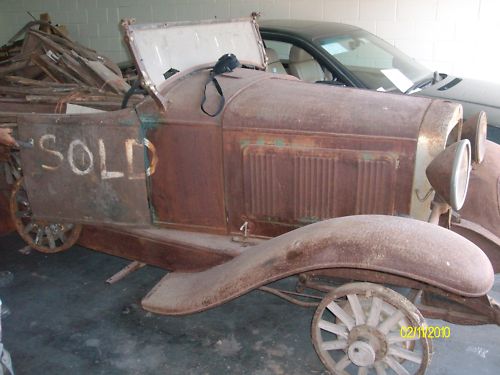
[454,36]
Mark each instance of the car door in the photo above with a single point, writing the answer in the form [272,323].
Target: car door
[188,189]
[85,168]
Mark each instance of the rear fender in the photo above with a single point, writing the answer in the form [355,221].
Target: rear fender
[400,246]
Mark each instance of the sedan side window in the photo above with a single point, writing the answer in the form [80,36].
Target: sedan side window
[282,49]
[287,58]
[277,54]
[302,65]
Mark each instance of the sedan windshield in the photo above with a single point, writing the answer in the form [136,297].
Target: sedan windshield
[375,62]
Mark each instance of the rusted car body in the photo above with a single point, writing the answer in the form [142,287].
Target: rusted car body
[334,184]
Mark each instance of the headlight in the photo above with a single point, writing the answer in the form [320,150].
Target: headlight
[449,173]
[474,129]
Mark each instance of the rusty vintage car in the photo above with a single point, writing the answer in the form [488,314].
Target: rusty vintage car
[349,190]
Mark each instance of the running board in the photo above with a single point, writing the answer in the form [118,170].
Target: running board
[170,249]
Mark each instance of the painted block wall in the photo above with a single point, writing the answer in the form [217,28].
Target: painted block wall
[453,36]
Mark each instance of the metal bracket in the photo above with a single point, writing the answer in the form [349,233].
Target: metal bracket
[134,266]
[244,229]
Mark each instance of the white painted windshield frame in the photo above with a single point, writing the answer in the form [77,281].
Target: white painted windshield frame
[158,47]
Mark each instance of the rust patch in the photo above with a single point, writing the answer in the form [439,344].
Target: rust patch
[294,254]
[307,184]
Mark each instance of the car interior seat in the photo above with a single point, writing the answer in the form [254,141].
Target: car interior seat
[274,64]
[303,66]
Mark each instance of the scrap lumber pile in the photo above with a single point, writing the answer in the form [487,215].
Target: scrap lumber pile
[48,70]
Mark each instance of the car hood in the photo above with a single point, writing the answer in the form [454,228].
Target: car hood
[474,95]
[260,100]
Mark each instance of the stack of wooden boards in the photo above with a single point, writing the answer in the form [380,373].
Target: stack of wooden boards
[48,70]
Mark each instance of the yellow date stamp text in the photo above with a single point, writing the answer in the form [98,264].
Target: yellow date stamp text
[429,332]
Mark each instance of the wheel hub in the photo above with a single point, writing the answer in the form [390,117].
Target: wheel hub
[361,354]
[366,345]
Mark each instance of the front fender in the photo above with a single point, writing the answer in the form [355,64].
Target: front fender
[400,246]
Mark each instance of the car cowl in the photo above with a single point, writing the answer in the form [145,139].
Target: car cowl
[473,94]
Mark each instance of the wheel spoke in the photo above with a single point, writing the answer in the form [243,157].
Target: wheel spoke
[39,236]
[395,337]
[334,345]
[341,314]
[390,322]
[396,366]
[359,315]
[333,328]
[61,236]
[380,368]
[405,354]
[343,363]
[374,316]
[50,237]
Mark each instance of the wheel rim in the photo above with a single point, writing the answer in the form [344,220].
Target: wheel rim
[46,237]
[356,330]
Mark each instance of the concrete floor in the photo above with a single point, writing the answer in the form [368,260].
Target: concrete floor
[65,320]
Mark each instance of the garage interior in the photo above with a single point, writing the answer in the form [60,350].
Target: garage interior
[60,316]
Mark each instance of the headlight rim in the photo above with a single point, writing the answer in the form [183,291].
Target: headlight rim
[475,130]
[464,148]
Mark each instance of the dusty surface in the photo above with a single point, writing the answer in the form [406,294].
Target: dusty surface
[65,320]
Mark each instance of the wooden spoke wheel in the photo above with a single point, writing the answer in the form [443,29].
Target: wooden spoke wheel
[44,236]
[356,330]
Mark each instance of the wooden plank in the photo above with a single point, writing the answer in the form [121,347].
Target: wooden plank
[48,42]
[115,82]
[30,71]
[45,26]
[68,44]
[40,63]
[30,44]
[56,70]
[80,70]
[21,80]
[26,90]
[75,99]
[7,69]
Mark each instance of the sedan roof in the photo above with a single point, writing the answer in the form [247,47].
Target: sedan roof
[309,29]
